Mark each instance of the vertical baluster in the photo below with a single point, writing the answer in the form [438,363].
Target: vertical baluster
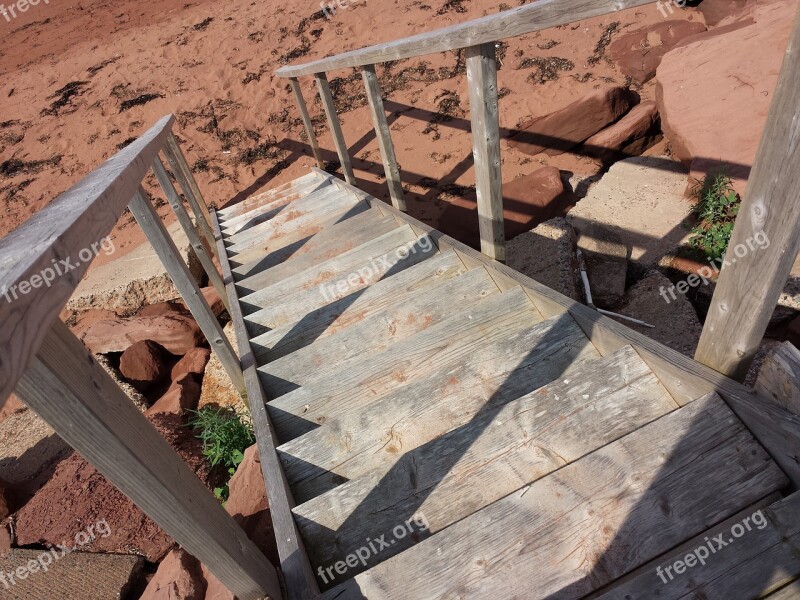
[335,127]
[309,126]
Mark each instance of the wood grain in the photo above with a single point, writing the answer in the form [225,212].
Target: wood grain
[779,377]
[234,210]
[309,126]
[78,218]
[749,287]
[335,127]
[80,401]
[506,24]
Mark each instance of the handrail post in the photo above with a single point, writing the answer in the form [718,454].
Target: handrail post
[335,127]
[66,386]
[151,224]
[482,83]
[309,126]
[191,232]
[180,168]
[384,137]
[767,228]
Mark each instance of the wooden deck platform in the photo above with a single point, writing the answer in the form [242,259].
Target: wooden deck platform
[433,425]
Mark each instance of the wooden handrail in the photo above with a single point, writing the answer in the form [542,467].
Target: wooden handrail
[492,28]
[78,218]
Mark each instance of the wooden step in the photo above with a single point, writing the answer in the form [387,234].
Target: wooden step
[344,276]
[234,210]
[379,332]
[360,381]
[266,211]
[331,318]
[746,556]
[335,241]
[374,435]
[590,522]
[374,256]
[312,206]
[285,240]
[502,447]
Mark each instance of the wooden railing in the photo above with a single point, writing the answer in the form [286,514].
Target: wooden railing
[56,376]
[479,37]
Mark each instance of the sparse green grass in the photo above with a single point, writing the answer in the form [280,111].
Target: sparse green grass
[717,207]
[225,437]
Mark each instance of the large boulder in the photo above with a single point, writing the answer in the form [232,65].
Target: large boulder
[182,395]
[639,202]
[638,53]
[527,201]
[714,91]
[630,136]
[179,577]
[176,332]
[564,129]
[715,11]
[547,254]
[143,364]
[194,362]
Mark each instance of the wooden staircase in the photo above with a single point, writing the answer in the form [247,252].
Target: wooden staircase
[433,425]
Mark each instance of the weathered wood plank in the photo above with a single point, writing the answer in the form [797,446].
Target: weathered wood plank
[309,126]
[285,239]
[592,521]
[754,552]
[268,210]
[383,136]
[375,256]
[380,331]
[506,24]
[360,381]
[790,592]
[328,197]
[78,218]
[180,168]
[426,406]
[165,249]
[295,567]
[482,84]
[769,222]
[191,233]
[774,427]
[330,318]
[80,401]
[335,127]
[234,210]
[502,448]
[779,377]
[343,237]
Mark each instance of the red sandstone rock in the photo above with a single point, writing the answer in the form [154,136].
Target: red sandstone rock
[12,406]
[715,11]
[5,540]
[179,577]
[163,308]
[564,129]
[143,364]
[630,136]
[214,301]
[194,362]
[714,91]
[5,503]
[527,201]
[638,53]
[182,395]
[175,332]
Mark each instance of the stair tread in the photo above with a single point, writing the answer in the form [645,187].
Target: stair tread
[330,318]
[508,443]
[380,331]
[319,277]
[234,210]
[354,441]
[592,521]
[334,241]
[323,201]
[466,334]
[323,288]
[267,210]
